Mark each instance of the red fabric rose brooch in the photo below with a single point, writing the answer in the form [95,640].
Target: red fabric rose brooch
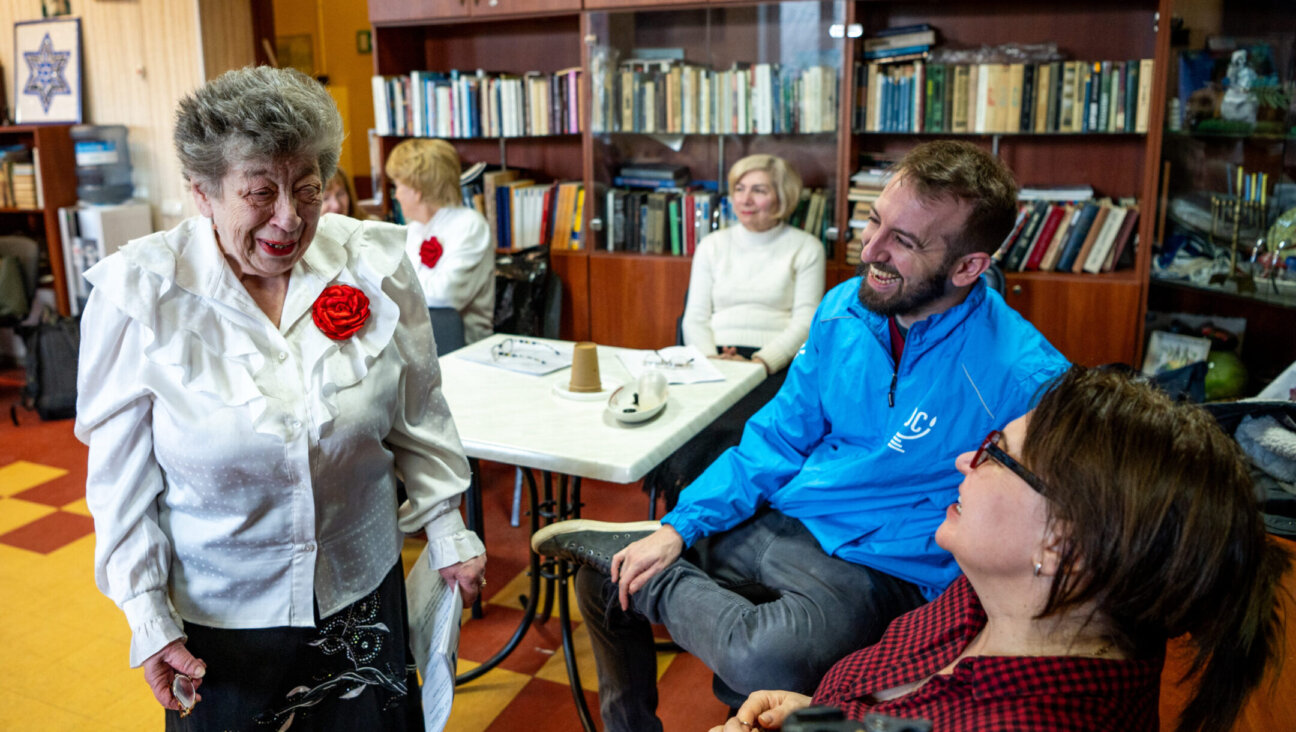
[430,252]
[340,311]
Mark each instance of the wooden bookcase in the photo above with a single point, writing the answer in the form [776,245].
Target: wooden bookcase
[57,180]
[633,299]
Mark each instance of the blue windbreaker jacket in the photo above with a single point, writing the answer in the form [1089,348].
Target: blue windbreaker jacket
[872,481]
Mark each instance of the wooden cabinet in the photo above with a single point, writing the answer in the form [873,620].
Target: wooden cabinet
[382,12]
[633,300]
[56,165]
[1230,157]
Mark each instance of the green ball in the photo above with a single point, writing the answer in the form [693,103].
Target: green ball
[1226,376]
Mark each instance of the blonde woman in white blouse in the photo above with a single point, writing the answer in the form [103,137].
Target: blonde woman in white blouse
[449,243]
[253,383]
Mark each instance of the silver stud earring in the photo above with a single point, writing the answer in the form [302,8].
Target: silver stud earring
[1038,567]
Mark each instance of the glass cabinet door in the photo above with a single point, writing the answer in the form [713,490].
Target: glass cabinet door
[677,96]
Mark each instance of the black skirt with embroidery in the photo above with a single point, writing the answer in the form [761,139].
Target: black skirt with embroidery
[352,671]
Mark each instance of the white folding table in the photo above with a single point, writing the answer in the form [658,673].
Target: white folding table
[522,419]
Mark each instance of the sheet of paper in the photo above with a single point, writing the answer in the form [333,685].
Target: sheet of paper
[686,364]
[435,609]
[522,355]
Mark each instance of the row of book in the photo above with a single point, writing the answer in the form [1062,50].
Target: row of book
[1059,96]
[677,97]
[19,179]
[462,104]
[673,221]
[523,212]
[1098,235]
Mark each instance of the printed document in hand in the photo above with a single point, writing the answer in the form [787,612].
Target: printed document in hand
[523,355]
[435,609]
[680,364]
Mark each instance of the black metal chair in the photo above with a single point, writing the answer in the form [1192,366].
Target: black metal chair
[447,329]
[994,277]
[26,253]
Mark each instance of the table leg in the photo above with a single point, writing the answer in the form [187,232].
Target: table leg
[529,602]
[476,521]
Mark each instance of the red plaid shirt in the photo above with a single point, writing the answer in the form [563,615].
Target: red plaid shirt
[988,692]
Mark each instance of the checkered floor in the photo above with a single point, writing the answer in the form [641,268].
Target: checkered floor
[63,645]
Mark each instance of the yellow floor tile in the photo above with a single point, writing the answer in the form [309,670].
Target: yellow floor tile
[477,703]
[18,712]
[555,669]
[520,585]
[15,513]
[20,475]
[135,709]
[78,507]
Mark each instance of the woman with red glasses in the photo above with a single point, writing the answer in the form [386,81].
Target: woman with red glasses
[1091,530]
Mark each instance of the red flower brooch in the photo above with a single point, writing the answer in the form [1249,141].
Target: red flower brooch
[340,311]
[430,252]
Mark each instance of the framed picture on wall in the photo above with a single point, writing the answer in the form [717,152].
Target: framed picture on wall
[47,71]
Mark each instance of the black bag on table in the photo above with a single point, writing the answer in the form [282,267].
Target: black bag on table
[52,348]
[521,280]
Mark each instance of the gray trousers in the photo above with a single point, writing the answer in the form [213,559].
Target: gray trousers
[765,609]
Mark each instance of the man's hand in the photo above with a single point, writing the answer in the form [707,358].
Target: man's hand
[757,359]
[161,668]
[633,566]
[470,575]
[765,710]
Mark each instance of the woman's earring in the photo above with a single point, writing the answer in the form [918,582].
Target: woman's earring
[1038,567]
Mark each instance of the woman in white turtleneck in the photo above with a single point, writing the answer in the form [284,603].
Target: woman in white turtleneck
[754,287]
[448,243]
[753,291]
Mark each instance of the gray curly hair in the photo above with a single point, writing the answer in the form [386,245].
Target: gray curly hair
[256,113]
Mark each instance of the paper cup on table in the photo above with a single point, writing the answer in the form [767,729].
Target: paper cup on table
[585,368]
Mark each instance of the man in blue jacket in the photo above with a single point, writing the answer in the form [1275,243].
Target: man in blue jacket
[820,522]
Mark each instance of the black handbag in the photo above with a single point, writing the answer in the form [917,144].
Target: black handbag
[53,345]
[521,281]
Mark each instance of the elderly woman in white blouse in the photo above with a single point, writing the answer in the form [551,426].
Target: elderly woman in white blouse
[253,383]
[753,291]
[449,243]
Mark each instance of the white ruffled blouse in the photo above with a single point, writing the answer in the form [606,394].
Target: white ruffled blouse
[239,472]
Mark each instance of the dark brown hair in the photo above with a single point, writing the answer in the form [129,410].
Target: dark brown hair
[956,169]
[1164,532]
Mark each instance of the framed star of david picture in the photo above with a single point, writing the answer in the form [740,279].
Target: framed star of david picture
[47,71]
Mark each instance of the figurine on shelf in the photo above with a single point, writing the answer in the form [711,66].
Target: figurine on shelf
[1239,103]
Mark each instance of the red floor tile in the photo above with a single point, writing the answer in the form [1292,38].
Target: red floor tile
[58,492]
[686,701]
[543,706]
[52,532]
[483,638]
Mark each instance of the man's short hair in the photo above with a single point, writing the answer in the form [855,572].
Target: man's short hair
[961,170]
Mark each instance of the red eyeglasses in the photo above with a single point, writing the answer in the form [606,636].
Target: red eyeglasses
[990,449]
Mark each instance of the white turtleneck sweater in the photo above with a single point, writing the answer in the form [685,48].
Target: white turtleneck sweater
[754,289]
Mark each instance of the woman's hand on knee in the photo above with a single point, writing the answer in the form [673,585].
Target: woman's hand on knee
[634,565]
[765,710]
[160,670]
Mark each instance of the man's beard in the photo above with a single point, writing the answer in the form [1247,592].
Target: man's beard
[912,296]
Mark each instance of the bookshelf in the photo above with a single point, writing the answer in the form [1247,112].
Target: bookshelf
[1219,163]
[632,299]
[55,164]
